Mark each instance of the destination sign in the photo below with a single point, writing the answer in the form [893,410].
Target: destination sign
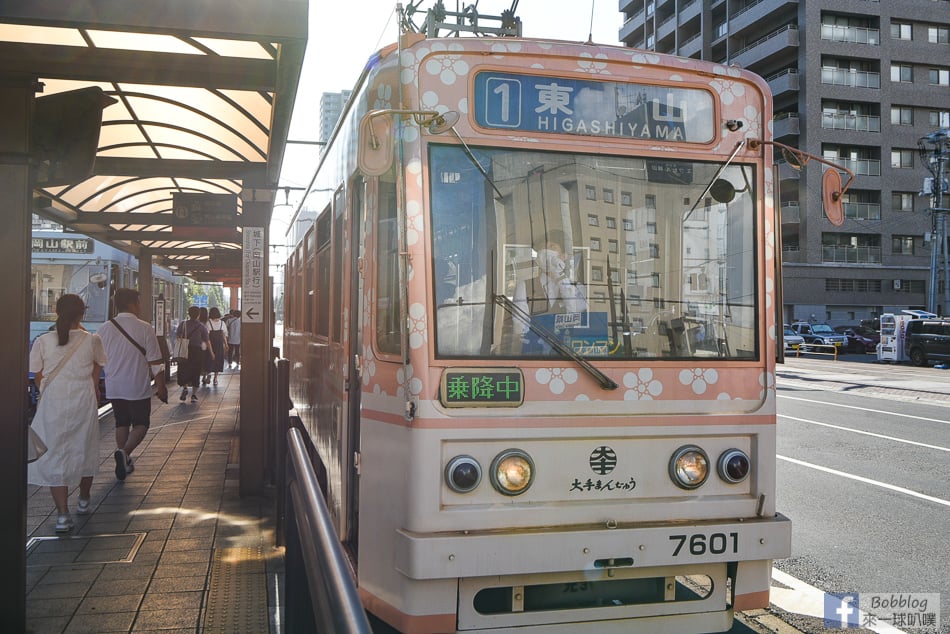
[482,388]
[62,245]
[545,104]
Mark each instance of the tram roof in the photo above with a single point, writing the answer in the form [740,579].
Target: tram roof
[205,91]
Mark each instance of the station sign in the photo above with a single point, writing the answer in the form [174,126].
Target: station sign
[252,276]
[206,216]
[62,245]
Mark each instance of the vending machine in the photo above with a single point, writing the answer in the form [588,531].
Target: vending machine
[892,347]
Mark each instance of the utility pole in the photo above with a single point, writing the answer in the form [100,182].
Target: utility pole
[935,153]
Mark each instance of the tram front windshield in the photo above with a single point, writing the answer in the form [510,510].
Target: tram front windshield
[541,254]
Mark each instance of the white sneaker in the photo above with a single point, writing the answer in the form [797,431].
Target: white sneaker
[64,523]
[82,506]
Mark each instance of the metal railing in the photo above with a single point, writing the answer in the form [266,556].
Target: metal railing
[321,594]
[317,574]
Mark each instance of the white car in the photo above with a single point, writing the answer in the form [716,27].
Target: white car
[791,339]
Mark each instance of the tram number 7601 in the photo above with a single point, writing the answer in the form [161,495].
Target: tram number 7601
[701,544]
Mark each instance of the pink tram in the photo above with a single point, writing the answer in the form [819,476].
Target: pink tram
[532,337]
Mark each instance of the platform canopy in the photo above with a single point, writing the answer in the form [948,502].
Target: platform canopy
[203,92]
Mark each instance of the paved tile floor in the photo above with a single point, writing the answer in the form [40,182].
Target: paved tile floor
[173,548]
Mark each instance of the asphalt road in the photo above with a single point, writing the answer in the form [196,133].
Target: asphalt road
[864,474]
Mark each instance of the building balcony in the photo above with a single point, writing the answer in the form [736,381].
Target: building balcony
[631,25]
[850,78]
[850,255]
[786,81]
[666,28]
[689,11]
[786,124]
[857,122]
[860,167]
[791,213]
[692,46]
[777,43]
[851,34]
[755,13]
[862,211]
[791,253]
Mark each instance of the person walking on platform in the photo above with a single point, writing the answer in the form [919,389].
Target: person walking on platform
[134,359]
[189,372]
[206,364]
[218,334]
[67,364]
[234,338]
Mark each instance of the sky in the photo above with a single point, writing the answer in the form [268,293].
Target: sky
[343,37]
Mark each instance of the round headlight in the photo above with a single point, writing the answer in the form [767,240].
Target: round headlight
[463,473]
[512,472]
[689,467]
[734,466]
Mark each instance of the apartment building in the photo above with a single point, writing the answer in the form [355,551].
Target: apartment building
[858,82]
[331,107]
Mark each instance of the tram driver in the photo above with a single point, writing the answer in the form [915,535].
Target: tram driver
[553,298]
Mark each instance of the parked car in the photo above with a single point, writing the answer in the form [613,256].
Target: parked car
[819,334]
[860,338]
[791,339]
[928,340]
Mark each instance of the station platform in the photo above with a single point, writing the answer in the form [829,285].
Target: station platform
[173,548]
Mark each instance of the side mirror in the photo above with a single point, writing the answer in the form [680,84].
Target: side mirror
[375,152]
[831,196]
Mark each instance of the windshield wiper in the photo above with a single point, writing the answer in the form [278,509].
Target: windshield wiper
[552,340]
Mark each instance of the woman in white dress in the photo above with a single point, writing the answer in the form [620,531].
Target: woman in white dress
[67,363]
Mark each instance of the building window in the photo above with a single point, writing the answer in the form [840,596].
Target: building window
[628,225]
[901,31]
[591,192]
[902,73]
[612,246]
[595,244]
[857,248]
[592,220]
[608,195]
[940,118]
[654,251]
[939,77]
[631,248]
[597,273]
[651,228]
[938,34]
[902,115]
[611,223]
[902,159]
[626,199]
[655,280]
[902,201]
[649,201]
[902,245]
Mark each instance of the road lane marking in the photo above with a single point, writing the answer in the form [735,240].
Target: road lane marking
[807,600]
[868,409]
[866,433]
[878,483]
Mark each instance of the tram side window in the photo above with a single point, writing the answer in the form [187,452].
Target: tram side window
[322,288]
[339,204]
[388,293]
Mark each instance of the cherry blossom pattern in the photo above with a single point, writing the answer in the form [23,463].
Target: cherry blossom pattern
[404,377]
[417,326]
[500,48]
[767,383]
[447,67]
[699,379]
[728,88]
[414,221]
[593,65]
[753,123]
[643,387]
[384,97]
[557,379]
[368,363]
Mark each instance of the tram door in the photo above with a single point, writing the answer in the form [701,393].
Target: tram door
[353,349]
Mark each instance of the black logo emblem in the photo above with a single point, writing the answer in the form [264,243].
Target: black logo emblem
[603,460]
